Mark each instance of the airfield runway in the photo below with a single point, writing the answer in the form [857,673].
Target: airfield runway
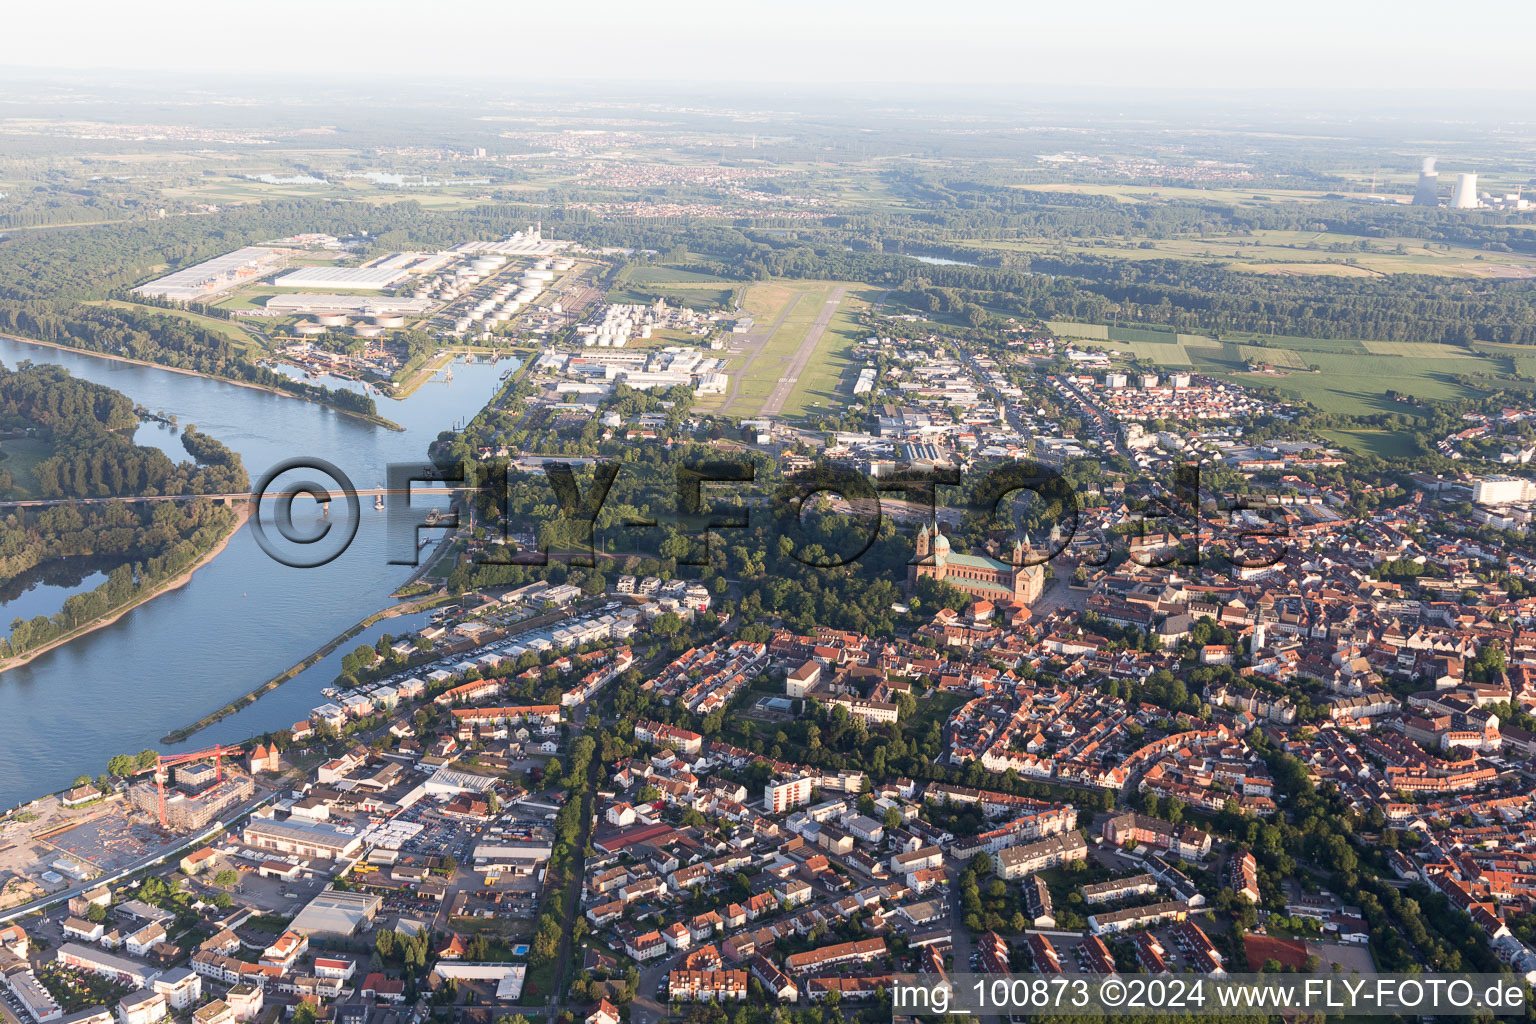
[802,358]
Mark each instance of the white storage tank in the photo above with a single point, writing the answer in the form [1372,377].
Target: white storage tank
[368,331]
[564,264]
[308,330]
[389,320]
[331,320]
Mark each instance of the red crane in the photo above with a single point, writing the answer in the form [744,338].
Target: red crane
[164,761]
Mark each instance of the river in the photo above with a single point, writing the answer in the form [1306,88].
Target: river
[243,617]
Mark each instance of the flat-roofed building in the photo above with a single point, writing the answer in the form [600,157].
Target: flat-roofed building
[216,1012]
[142,1007]
[337,913]
[213,277]
[180,986]
[302,838]
[372,278]
[345,305]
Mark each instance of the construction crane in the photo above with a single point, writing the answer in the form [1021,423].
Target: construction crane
[163,762]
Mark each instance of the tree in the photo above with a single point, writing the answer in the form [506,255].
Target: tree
[226,879]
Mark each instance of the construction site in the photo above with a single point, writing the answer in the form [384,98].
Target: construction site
[51,846]
[186,793]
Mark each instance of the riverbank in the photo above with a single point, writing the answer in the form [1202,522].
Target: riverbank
[378,421]
[246,700]
[242,512]
[444,357]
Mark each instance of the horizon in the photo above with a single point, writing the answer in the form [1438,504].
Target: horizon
[1204,45]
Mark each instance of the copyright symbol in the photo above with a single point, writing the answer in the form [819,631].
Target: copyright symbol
[1112,992]
[295,547]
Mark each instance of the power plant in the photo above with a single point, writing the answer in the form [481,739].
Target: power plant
[1428,192]
[1465,197]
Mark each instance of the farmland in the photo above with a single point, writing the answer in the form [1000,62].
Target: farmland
[1285,252]
[1350,377]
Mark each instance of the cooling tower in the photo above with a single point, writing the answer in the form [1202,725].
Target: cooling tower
[1466,193]
[1427,194]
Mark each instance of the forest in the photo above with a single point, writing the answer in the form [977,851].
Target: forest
[88,428]
[165,340]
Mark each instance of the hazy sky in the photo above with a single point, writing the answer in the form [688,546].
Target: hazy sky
[1115,43]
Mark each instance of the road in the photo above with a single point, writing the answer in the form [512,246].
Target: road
[802,357]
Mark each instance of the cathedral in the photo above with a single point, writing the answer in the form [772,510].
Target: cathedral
[984,578]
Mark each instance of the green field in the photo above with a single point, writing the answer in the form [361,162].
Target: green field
[1358,386]
[1274,356]
[1384,444]
[21,454]
[1354,376]
[670,275]
[701,297]
[1297,253]
[228,328]
[789,309]
[825,385]
[1159,353]
[1414,349]
[1068,329]
[1144,335]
